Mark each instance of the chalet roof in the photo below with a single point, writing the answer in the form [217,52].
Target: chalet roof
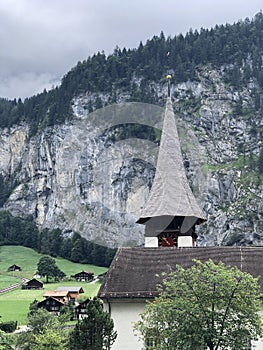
[14,266]
[70,289]
[133,272]
[56,294]
[83,273]
[170,194]
[33,281]
[44,302]
[82,304]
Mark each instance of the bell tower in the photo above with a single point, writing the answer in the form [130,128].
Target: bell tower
[171,211]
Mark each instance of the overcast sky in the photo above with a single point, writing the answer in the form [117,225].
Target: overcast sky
[42,39]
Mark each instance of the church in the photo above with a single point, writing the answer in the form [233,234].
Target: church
[170,216]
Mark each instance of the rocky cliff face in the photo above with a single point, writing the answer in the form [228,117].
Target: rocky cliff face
[87,177]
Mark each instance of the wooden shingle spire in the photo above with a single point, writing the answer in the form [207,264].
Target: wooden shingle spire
[171,199]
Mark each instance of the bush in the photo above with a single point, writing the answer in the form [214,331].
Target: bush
[8,327]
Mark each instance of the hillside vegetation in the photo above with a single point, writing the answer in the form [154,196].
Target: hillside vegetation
[238,48]
[14,305]
[18,231]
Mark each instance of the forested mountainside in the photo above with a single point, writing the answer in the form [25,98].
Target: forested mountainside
[236,49]
[68,245]
[47,158]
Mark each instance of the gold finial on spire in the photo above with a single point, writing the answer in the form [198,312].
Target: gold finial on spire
[169,77]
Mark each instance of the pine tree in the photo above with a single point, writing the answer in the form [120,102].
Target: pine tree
[95,332]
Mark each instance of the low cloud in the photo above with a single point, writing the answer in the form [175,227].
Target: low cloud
[42,40]
[26,84]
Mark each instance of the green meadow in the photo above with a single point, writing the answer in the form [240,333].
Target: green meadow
[14,305]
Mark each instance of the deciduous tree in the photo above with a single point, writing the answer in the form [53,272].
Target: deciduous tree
[209,305]
[47,267]
[46,332]
[49,340]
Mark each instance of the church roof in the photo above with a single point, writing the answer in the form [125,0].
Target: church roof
[133,272]
[170,194]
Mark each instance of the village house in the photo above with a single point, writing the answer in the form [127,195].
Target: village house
[81,309]
[63,296]
[84,276]
[14,267]
[51,304]
[55,300]
[32,284]
[170,216]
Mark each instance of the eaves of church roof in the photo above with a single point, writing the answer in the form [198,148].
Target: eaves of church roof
[136,272]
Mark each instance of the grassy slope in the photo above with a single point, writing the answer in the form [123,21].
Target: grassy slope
[14,305]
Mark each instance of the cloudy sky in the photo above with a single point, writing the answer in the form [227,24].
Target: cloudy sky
[42,39]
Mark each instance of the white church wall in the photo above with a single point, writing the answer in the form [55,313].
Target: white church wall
[125,314]
[258,345]
[185,241]
[151,242]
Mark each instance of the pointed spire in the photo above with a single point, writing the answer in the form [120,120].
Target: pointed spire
[168,77]
[170,196]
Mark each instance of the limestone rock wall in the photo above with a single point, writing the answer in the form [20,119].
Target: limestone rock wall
[75,177]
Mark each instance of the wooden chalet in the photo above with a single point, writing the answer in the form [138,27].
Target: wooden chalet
[51,304]
[62,296]
[81,309]
[14,267]
[84,276]
[32,284]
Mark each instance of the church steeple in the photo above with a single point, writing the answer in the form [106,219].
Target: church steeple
[171,211]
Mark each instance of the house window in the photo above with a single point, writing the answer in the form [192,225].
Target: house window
[54,308]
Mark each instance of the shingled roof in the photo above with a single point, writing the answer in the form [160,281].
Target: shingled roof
[133,272]
[70,289]
[56,294]
[171,195]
